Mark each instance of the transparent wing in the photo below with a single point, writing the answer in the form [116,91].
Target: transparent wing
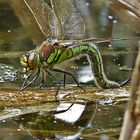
[71,23]
[45,17]
[74,27]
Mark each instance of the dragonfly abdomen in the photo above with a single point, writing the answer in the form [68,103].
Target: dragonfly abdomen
[95,61]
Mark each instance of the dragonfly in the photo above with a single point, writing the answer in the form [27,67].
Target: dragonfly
[64,30]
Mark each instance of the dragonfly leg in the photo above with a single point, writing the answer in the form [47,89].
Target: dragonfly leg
[61,111]
[64,85]
[42,79]
[67,73]
[24,85]
[125,82]
[51,75]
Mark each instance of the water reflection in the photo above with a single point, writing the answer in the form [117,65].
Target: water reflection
[63,121]
[70,116]
[66,122]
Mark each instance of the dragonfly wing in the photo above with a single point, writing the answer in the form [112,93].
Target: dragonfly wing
[74,27]
[71,23]
[45,17]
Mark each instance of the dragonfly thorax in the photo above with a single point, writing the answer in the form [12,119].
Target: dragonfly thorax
[29,61]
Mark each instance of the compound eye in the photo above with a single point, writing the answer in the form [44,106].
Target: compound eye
[28,62]
[24,61]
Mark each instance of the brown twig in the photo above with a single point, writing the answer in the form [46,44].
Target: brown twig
[131,118]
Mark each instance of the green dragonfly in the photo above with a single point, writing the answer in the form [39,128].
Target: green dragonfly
[64,29]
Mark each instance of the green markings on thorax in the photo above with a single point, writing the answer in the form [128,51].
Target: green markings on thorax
[52,56]
[63,56]
[58,55]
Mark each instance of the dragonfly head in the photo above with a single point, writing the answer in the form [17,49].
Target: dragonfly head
[29,61]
